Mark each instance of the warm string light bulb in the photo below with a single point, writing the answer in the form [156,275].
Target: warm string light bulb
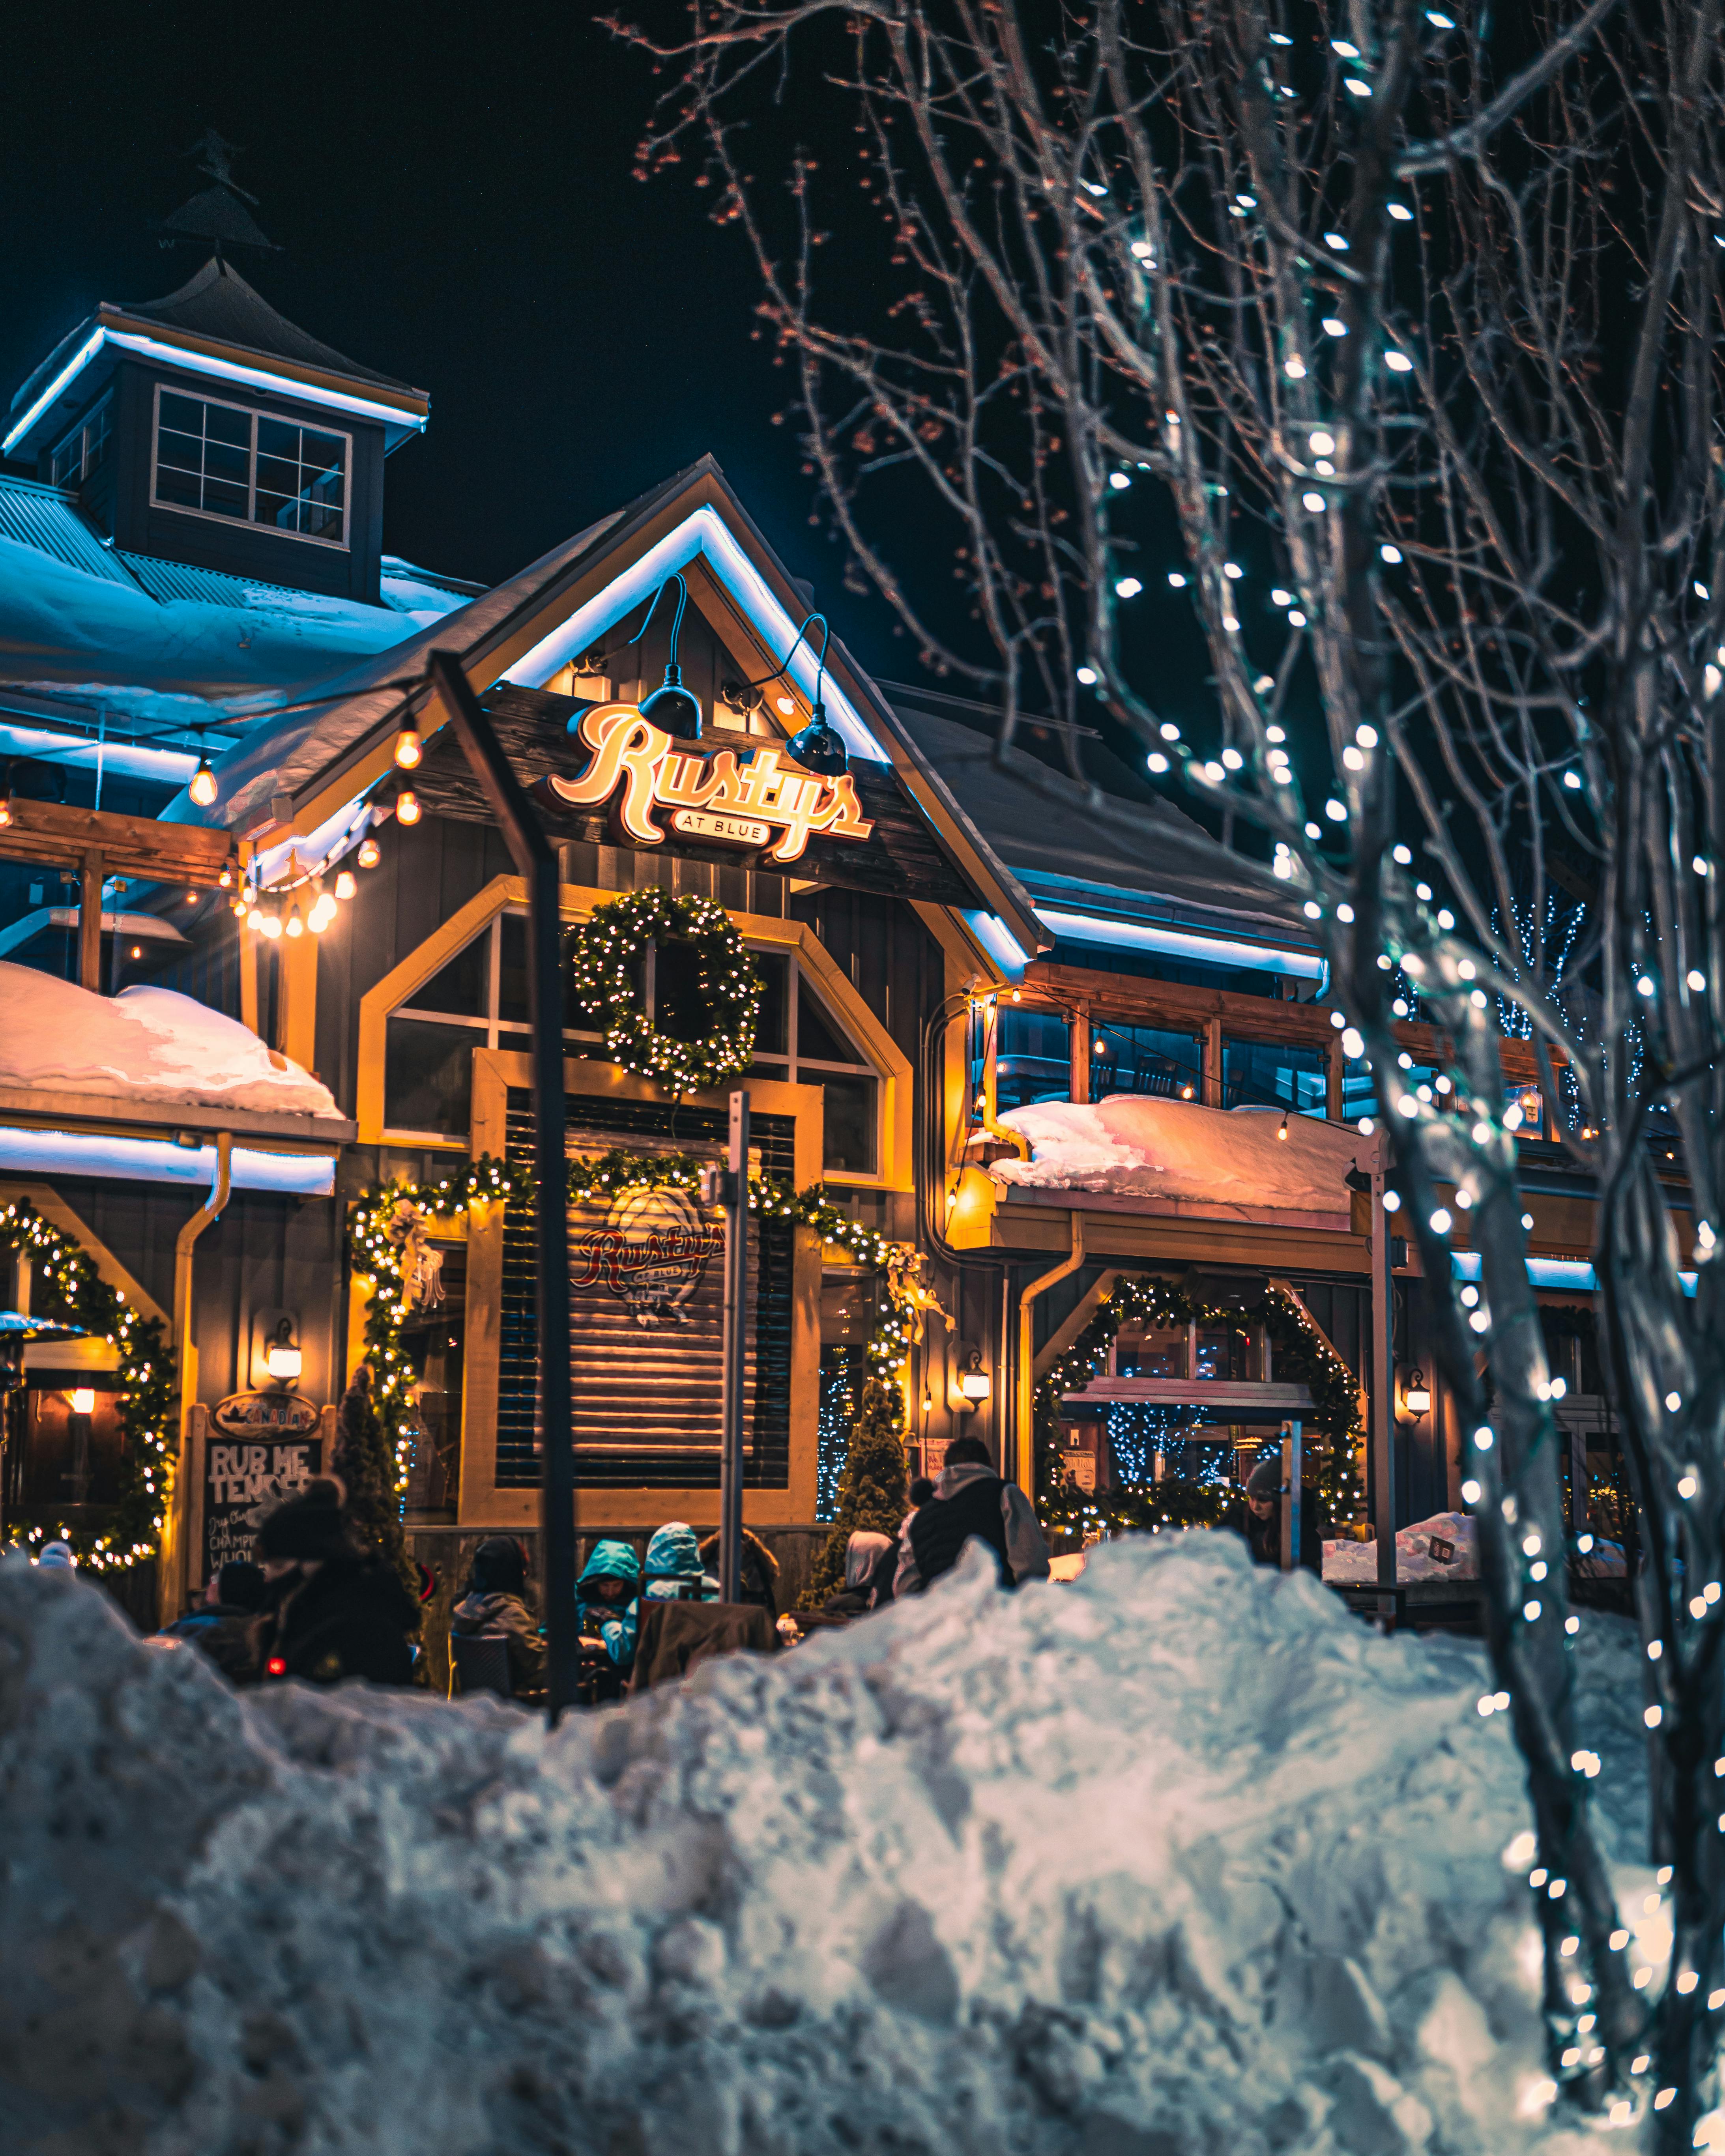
[369,853]
[203,789]
[407,806]
[346,884]
[410,749]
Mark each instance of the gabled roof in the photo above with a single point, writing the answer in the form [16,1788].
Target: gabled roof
[293,774]
[1114,851]
[214,323]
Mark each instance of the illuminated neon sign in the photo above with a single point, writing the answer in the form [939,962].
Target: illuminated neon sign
[759,801]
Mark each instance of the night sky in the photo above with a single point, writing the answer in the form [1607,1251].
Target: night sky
[451,186]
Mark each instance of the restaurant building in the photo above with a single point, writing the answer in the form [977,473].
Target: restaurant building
[265,1075]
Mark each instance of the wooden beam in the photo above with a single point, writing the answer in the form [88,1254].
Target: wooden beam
[59,836]
[90,877]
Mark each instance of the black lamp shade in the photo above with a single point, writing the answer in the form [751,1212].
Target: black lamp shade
[819,747]
[674,709]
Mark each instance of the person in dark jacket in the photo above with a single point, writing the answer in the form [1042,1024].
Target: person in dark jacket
[331,1609]
[759,1584]
[221,1628]
[495,1607]
[1256,1518]
[970,1503]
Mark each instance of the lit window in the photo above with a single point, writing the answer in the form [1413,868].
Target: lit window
[800,1040]
[222,460]
[85,448]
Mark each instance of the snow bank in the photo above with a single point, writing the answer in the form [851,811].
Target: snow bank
[1138,1145]
[1178,1858]
[143,1044]
[1352,1561]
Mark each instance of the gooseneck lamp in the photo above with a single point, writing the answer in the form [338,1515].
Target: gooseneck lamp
[819,747]
[672,708]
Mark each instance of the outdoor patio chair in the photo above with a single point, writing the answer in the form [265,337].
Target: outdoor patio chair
[479,1665]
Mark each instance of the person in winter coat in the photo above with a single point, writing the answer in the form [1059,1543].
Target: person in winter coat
[870,1560]
[1256,1518]
[607,1601]
[331,1608]
[222,1627]
[970,1502]
[759,1584]
[673,1571]
[495,1607]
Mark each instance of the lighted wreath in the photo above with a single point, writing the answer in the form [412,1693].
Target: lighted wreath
[602,976]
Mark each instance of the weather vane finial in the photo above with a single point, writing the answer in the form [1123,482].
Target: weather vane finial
[217,214]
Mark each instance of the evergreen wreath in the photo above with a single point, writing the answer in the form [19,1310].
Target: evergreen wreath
[66,1285]
[1301,1353]
[601,975]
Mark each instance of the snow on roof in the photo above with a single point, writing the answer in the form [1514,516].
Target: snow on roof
[160,642]
[1135,1145]
[1177,1857]
[143,1044]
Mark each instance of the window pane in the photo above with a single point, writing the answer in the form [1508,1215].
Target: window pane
[849,1106]
[461,987]
[326,451]
[817,1036]
[1360,1089]
[1262,1074]
[427,1071]
[179,489]
[184,452]
[225,461]
[277,438]
[1033,1058]
[185,413]
[221,500]
[774,968]
[1141,1059]
[513,1006]
[278,476]
[223,424]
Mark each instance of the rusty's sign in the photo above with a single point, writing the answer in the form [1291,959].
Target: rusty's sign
[657,787]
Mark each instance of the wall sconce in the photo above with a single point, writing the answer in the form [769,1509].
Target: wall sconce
[282,1357]
[975,1385]
[1416,1395]
[82,1399]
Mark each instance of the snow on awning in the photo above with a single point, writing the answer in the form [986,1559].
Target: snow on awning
[1137,1145]
[144,1045]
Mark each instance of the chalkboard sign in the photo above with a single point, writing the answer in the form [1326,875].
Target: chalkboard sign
[242,1481]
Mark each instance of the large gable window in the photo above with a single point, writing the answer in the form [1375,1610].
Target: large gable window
[221,460]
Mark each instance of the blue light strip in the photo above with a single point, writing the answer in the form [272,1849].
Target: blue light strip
[1576,1273]
[1183,943]
[171,766]
[704,531]
[997,940]
[223,370]
[160,1160]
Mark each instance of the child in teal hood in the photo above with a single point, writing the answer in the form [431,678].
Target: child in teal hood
[674,1572]
[606,1599]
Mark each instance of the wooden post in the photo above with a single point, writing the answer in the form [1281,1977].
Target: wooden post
[1213,1064]
[249,942]
[736,1356]
[1382,1424]
[90,922]
[296,999]
[1080,1083]
[1291,1473]
[1334,1066]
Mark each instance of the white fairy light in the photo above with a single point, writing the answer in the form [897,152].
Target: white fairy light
[1313,501]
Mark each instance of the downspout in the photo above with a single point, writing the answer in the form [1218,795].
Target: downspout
[1025,1429]
[175,1557]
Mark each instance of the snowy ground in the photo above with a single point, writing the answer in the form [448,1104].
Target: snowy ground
[1177,1859]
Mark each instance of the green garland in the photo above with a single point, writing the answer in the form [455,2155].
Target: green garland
[490,1180]
[602,977]
[66,1286]
[1298,1345]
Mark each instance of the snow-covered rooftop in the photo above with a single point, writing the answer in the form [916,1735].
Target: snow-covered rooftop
[1233,1160]
[144,1045]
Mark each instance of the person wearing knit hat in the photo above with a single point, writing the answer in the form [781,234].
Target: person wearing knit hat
[53,1554]
[332,1608]
[1256,1517]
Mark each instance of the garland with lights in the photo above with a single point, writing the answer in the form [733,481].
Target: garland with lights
[66,1285]
[1299,1349]
[602,974]
[374,1251]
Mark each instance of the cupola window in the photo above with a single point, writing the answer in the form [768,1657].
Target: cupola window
[218,459]
[85,448]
